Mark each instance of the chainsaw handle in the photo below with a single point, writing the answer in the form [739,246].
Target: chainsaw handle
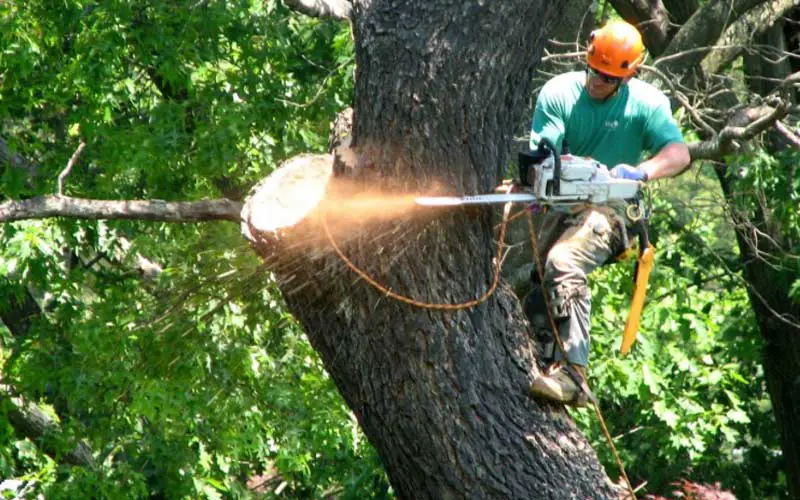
[545,149]
[557,162]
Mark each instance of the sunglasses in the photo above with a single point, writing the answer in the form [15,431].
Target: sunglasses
[602,76]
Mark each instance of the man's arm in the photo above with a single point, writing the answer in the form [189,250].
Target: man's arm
[670,161]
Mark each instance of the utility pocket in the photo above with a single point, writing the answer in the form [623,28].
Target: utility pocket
[560,296]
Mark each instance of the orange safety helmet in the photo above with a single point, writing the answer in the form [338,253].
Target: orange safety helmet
[616,49]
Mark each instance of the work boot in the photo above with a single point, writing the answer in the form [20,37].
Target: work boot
[557,384]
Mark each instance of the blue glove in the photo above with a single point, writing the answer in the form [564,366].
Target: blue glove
[623,171]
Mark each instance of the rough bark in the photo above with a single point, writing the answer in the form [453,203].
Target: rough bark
[681,10]
[443,396]
[652,19]
[571,36]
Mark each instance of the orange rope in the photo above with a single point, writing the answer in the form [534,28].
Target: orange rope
[482,298]
[538,262]
[429,305]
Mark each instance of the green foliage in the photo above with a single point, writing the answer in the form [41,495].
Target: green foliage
[209,93]
[190,382]
[193,383]
[766,191]
[689,401]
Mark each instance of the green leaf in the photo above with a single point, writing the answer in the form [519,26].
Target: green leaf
[738,416]
[666,415]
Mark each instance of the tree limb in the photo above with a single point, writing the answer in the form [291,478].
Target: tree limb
[740,34]
[31,422]
[652,19]
[42,207]
[788,134]
[703,29]
[333,9]
[760,119]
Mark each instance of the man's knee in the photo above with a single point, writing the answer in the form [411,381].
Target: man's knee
[562,262]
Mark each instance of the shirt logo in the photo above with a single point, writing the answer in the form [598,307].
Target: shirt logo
[612,124]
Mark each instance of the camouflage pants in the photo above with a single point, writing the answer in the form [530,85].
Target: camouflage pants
[575,245]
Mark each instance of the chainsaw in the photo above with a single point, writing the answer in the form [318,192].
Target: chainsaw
[556,181]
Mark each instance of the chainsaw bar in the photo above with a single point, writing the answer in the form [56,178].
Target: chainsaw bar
[478,199]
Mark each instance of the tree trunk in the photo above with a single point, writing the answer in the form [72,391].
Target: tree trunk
[762,246]
[443,396]
[776,314]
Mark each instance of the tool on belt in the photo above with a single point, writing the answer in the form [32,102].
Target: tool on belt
[644,264]
[563,182]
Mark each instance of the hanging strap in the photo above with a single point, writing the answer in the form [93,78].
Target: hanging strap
[644,264]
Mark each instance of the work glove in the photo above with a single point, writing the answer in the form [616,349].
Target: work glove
[624,171]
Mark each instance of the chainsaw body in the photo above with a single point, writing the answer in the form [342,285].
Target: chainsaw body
[566,179]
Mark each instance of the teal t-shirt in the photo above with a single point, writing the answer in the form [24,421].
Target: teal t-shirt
[618,130]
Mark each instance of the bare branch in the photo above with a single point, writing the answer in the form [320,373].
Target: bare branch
[788,134]
[682,99]
[760,119]
[563,55]
[791,80]
[64,173]
[153,210]
[334,9]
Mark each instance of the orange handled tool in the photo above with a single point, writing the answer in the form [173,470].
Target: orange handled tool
[643,267]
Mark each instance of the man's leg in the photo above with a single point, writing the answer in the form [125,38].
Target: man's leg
[587,243]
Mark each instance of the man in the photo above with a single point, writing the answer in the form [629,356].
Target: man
[607,114]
